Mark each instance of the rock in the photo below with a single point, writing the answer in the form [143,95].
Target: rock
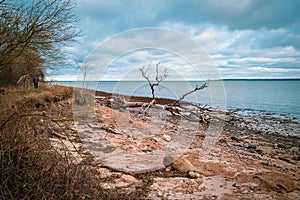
[183,165]
[116,131]
[168,169]
[197,175]
[265,162]
[259,151]
[233,138]
[251,146]
[167,137]
[167,160]
[192,174]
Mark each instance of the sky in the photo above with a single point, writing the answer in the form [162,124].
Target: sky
[242,38]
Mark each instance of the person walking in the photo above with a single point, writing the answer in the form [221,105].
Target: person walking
[35,81]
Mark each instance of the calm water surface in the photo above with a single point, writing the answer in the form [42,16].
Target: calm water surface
[279,98]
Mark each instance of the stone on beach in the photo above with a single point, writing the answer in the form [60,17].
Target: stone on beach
[167,137]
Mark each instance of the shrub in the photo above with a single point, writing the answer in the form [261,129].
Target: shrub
[32,169]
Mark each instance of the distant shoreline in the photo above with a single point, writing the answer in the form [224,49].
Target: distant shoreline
[233,79]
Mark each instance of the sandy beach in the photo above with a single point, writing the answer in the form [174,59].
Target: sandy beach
[160,156]
[107,100]
[244,163]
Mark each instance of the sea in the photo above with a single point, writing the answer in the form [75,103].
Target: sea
[275,98]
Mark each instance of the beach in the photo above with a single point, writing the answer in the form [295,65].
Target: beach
[245,162]
[158,155]
[149,100]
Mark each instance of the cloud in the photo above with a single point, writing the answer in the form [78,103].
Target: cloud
[115,16]
[266,69]
[242,48]
[61,78]
[247,14]
[136,48]
[237,35]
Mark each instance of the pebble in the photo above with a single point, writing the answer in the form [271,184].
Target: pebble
[167,137]
[198,175]
[116,131]
[192,174]
[265,162]
[168,169]
[251,146]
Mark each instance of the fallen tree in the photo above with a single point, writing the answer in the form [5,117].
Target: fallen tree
[177,107]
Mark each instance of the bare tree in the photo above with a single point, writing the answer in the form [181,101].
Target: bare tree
[175,108]
[160,75]
[85,69]
[37,30]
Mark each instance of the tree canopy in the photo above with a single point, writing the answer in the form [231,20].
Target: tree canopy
[32,36]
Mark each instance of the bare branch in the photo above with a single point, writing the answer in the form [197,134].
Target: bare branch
[145,73]
[204,85]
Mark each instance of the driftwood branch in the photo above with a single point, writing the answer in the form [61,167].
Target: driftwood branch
[185,109]
[149,105]
[197,88]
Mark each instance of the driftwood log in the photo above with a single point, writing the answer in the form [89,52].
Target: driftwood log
[183,109]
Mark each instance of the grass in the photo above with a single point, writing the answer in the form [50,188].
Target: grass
[30,167]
